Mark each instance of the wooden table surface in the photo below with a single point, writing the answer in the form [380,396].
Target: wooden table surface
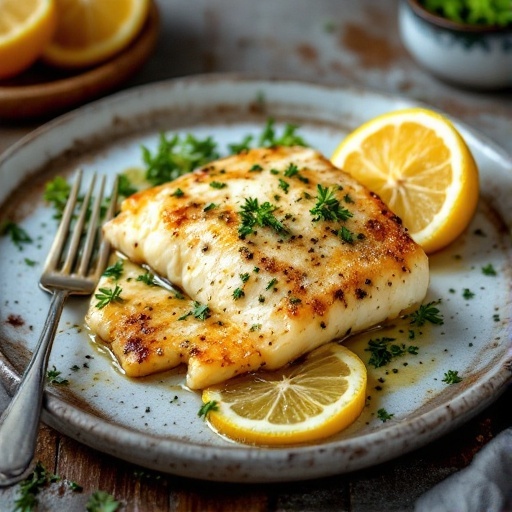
[353,42]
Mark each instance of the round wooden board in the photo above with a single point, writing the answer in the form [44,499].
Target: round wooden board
[43,91]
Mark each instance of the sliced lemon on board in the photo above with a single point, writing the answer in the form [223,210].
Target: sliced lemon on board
[313,398]
[421,167]
[26,27]
[91,31]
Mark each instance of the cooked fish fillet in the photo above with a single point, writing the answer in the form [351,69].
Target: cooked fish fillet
[151,329]
[280,243]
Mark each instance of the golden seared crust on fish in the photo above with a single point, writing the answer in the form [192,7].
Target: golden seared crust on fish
[150,329]
[280,241]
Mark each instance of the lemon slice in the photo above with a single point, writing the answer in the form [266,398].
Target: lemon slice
[26,27]
[421,167]
[310,399]
[91,31]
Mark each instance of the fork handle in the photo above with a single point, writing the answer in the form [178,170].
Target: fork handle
[19,423]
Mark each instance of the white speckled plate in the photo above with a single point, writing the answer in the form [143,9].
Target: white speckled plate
[153,421]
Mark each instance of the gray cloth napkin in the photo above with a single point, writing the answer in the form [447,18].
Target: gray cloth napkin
[484,486]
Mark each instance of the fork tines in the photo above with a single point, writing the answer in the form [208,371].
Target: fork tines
[75,252]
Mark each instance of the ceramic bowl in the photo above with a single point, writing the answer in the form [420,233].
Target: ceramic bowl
[472,56]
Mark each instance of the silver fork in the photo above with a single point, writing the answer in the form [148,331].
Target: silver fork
[72,267]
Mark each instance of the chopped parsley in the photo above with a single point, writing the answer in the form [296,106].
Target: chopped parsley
[108,295]
[18,235]
[217,184]
[30,487]
[212,405]
[244,277]
[289,137]
[176,156]
[427,313]
[178,193]
[209,207]
[327,207]
[102,501]
[383,351]
[253,214]
[384,415]
[489,270]
[199,311]
[291,170]
[53,377]
[467,294]
[115,271]
[346,235]
[238,293]
[56,193]
[271,284]
[147,278]
[451,377]
[284,185]
[124,186]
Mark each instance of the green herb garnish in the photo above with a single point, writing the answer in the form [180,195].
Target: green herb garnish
[30,487]
[384,415]
[199,311]
[271,284]
[238,293]
[217,184]
[327,207]
[115,271]
[124,186]
[427,313]
[253,214]
[108,295]
[346,235]
[468,294]
[176,156]
[147,278]
[18,235]
[56,193]
[451,377]
[489,270]
[53,377]
[382,351]
[101,501]
[212,405]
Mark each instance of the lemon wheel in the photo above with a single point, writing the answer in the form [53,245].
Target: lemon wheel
[91,31]
[421,167]
[313,398]
[26,27]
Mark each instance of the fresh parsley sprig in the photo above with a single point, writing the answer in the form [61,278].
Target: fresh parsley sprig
[176,156]
[327,206]
[108,295]
[253,214]
[147,278]
[427,313]
[452,377]
[115,271]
